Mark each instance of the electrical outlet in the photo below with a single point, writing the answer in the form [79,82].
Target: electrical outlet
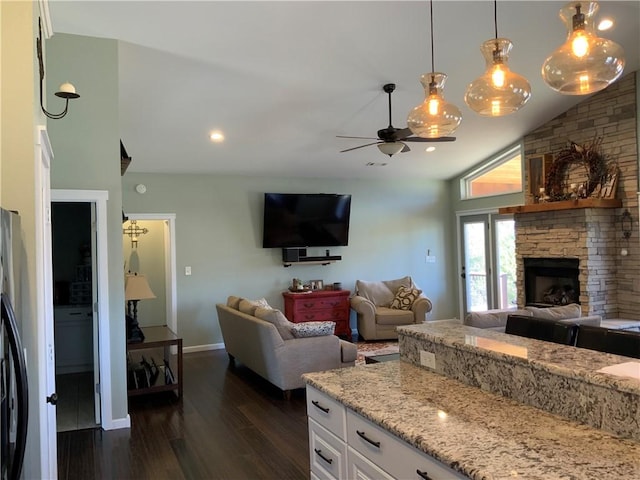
[431,259]
[428,359]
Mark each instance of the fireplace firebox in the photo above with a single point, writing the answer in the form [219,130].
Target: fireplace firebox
[551,281]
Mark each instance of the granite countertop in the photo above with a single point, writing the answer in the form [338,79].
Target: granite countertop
[482,435]
[564,360]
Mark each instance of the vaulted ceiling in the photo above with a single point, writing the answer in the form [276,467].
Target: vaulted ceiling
[282,79]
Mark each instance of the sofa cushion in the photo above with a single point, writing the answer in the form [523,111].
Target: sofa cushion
[405,296]
[249,306]
[233,302]
[313,329]
[277,318]
[563,312]
[393,316]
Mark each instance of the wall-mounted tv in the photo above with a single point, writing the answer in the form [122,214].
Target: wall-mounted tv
[298,220]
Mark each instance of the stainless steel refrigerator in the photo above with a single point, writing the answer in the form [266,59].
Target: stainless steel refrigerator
[14,403]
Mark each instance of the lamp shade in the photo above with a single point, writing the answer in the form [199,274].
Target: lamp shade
[391,148]
[435,117]
[499,91]
[137,288]
[585,63]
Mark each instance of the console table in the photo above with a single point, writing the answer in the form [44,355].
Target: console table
[320,305]
[154,338]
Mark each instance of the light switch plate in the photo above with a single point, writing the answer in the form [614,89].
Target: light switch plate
[428,359]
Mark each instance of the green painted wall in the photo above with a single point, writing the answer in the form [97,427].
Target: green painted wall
[86,144]
[219,234]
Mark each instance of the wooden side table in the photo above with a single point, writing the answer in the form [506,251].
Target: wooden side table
[320,305]
[159,337]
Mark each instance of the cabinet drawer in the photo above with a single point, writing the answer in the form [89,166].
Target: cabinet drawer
[328,412]
[320,315]
[393,455]
[321,304]
[327,453]
[360,468]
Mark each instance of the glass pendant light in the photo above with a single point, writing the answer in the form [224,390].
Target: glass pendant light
[435,117]
[585,63]
[499,91]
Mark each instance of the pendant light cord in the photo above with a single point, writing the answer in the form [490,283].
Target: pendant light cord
[495,16]
[433,69]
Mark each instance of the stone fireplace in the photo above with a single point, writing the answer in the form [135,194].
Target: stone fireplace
[582,239]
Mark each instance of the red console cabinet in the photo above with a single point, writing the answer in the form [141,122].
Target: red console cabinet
[320,305]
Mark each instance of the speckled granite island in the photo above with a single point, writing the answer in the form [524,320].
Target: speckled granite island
[479,434]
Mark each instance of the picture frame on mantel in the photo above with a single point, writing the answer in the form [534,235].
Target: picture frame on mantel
[537,169]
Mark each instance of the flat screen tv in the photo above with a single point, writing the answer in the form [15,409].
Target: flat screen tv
[298,220]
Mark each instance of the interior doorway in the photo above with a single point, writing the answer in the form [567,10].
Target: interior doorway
[74,295]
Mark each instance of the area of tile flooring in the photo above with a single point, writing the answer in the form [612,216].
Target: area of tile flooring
[75,409]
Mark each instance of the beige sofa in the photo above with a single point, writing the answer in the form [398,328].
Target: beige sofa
[497,319]
[258,343]
[372,303]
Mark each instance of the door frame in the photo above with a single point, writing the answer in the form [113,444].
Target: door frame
[99,198]
[171,295]
[492,213]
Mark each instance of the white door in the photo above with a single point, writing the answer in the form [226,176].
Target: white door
[487,269]
[96,320]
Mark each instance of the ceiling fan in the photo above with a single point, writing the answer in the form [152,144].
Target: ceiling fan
[391,140]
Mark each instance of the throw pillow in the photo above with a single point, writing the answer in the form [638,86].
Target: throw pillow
[557,313]
[277,318]
[405,296]
[313,329]
[249,306]
[233,302]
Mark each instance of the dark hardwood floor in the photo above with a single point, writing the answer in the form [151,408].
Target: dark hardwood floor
[231,424]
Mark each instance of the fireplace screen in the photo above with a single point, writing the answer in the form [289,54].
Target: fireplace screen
[551,281]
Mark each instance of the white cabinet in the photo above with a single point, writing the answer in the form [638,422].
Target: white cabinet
[345,445]
[73,330]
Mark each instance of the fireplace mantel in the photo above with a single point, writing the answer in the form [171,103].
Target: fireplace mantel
[564,205]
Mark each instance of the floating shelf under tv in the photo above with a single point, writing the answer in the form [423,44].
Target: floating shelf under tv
[314,260]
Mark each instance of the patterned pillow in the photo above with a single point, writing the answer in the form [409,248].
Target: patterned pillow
[312,329]
[405,296]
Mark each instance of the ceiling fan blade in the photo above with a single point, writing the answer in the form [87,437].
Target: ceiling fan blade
[362,138]
[420,139]
[405,148]
[361,146]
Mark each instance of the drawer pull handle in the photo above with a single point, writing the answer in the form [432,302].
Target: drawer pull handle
[308,305]
[317,405]
[363,436]
[424,475]
[319,453]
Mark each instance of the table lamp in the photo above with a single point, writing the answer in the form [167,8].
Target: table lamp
[136,288]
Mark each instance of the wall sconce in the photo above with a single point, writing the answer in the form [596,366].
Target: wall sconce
[626,224]
[67,90]
[134,231]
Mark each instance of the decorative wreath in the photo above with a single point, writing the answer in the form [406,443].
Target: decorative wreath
[597,166]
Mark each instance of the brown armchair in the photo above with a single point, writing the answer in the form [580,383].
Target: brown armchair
[377,313]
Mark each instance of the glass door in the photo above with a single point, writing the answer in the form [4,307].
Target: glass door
[487,271]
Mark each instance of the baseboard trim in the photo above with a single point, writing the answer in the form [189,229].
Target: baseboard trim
[203,348]
[118,423]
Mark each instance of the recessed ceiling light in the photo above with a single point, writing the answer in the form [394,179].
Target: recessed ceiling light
[430,149]
[605,24]
[217,136]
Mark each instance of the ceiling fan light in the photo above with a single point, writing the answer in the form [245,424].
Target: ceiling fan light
[435,117]
[391,148]
[585,63]
[499,91]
